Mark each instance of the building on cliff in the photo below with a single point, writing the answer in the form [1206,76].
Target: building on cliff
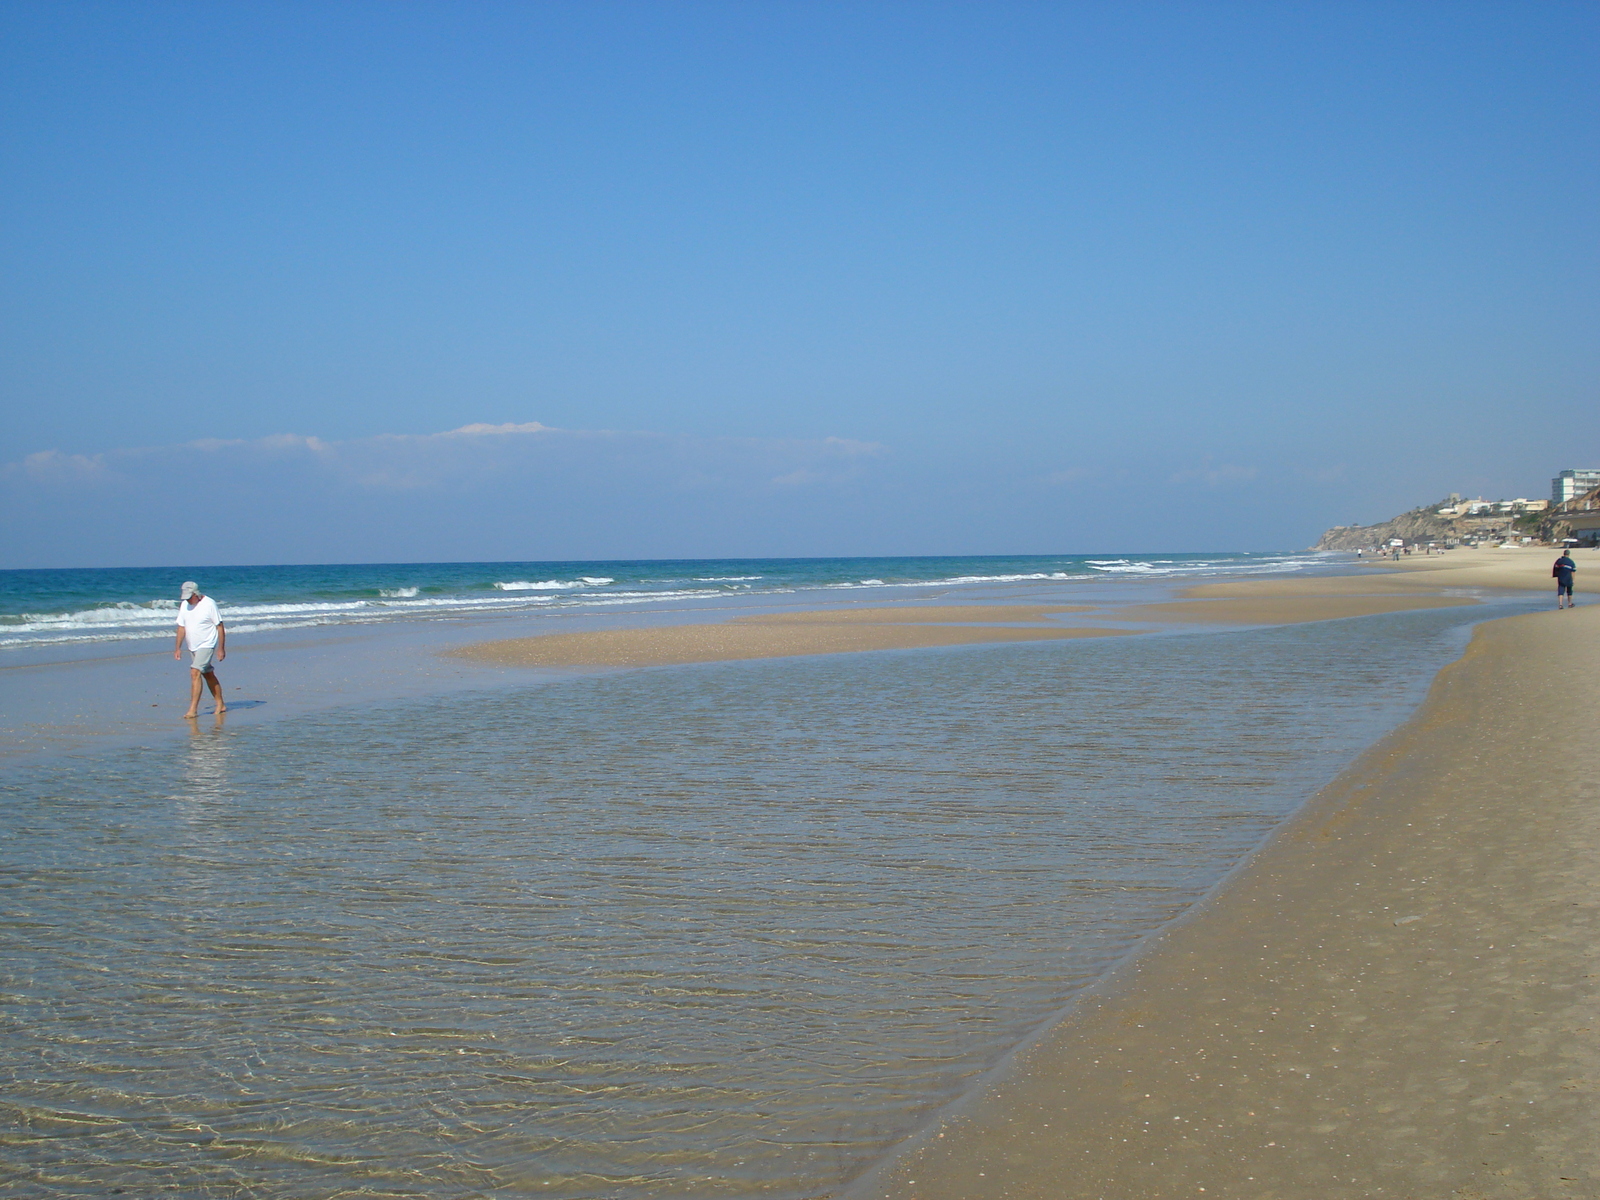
[1577,519]
[1569,485]
[1462,521]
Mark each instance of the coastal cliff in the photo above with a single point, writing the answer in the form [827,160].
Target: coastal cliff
[1422,524]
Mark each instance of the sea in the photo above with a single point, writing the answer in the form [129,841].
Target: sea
[721,930]
[77,607]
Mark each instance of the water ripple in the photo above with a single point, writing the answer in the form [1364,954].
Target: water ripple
[717,931]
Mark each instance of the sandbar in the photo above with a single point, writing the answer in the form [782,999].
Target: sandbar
[1398,996]
[781,635]
[906,614]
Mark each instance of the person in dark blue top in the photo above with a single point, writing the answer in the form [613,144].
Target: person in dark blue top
[1562,573]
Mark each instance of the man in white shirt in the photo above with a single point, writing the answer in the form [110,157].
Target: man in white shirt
[199,621]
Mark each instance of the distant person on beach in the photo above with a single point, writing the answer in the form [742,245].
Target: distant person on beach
[1562,573]
[201,624]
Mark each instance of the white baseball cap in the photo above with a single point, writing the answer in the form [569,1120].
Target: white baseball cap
[188,589]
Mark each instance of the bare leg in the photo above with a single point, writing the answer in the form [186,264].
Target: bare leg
[194,692]
[215,685]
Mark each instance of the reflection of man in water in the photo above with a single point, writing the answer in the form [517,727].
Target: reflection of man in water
[1562,572]
[199,621]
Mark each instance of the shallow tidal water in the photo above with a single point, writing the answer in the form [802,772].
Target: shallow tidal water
[722,930]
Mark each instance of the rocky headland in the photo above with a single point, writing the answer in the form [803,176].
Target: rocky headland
[1444,522]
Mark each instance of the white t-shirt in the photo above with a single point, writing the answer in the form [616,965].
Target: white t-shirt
[199,622]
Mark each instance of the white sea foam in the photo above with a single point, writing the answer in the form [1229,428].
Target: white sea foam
[553,585]
[110,614]
[405,593]
[589,601]
[1123,567]
[1010,578]
[1266,565]
[131,621]
[726,578]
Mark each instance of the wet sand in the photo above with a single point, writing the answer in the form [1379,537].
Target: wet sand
[779,635]
[1399,996]
[1276,608]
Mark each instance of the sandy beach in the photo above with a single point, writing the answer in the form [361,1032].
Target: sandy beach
[1399,996]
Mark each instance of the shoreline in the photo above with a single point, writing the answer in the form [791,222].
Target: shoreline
[1396,995]
[1370,590]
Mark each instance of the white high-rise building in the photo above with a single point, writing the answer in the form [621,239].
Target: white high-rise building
[1573,483]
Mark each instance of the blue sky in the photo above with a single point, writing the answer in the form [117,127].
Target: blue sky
[783,278]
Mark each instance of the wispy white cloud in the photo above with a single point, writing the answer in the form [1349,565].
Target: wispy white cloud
[293,441]
[508,427]
[479,491]
[476,455]
[209,444]
[490,491]
[54,467]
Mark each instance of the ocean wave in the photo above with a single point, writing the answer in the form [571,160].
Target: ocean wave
[1273,565]
[1010,578]
[404,593]
[135,616]
[589,600]
[553,585]
[122,613]
[1121,566]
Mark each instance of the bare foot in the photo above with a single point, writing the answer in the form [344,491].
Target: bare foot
[189,716]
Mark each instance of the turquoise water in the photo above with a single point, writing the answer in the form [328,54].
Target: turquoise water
[727,930]
[68,607]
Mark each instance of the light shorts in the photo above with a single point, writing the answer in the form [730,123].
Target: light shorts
[202,659]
